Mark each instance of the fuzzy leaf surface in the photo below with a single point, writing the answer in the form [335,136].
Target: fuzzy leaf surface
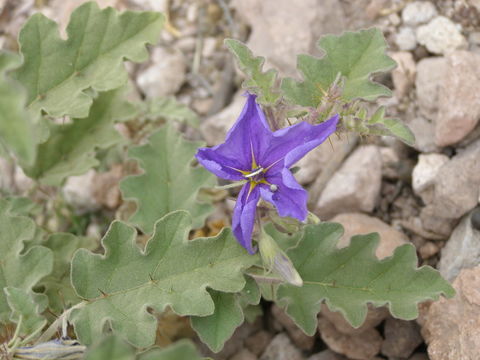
[353,55]
[23,306]
[16,126]
[378,124]
[350,278]
[22,271]
[181,350]
[169,181]
[112,348]
[70,149]
[257,81]
[214,330]
[57,72]
[57,285]
[172,270]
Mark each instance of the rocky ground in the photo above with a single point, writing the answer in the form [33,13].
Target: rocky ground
[427,195]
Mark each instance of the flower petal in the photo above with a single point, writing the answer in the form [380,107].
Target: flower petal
[244,216]
[294,142]
[215,162]
[290,198]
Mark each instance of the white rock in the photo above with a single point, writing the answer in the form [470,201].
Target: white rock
[406,39]
[430,74]
[418,12]
[165,75]
[426,170]
[441,36]
[355,186]
[462,250]
[79,192]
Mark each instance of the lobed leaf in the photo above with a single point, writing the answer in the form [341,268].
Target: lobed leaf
[350,278]
[257,81]
[17,269]
[17,130]
[56,73]
[214,330]
[70,148]
[111,347]
[181,350]
[169,181]
[172,271]
[378,124]
[25,312]
[353,55]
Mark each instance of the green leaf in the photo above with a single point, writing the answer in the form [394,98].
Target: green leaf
[22,271]
[216,329]
[181,350]
[169,181]
[25,308]
[257,81]
[379,125]
[57,72]
[70,149]
[16,126]
[353,55]
[173,271]
[111,348]
[351,277]
[169,108]
[57,285]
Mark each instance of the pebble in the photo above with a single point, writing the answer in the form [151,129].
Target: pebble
[458,98]
[403,76]
[461,251]
[327,355]
[418,12]
[281,348]
[430,74]
[78,191]
[357,224]
[428,249]
[355,186]
[441,36]
[425,172]
[244,354]
[406,39]
[424,131]
[363,346]
[451,326]
[299,338]
[165,75]
[401,338]
[258,341]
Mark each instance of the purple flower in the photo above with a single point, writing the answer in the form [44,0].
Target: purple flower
[254,153]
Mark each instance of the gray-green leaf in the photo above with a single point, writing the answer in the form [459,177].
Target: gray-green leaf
[350,278]
[169,181]
[173,271]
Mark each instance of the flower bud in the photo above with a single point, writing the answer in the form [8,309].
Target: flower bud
[274,259]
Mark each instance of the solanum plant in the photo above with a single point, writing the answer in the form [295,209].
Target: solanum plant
[112,292]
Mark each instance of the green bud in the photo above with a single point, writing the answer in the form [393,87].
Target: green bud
[285,224]
[274,259]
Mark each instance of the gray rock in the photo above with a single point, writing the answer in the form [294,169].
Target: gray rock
[327,355]
[363,346]
[458,98]
[78,191]
[462,250]
[418,12]
[403,75]
[457,185]
[430,73]
[355,186]
[216,127]
[424,131]
[165,75]
[425,173]
[452,326]
[401,338]
[280,44]
[281,348]
[441,36]
[406,39]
